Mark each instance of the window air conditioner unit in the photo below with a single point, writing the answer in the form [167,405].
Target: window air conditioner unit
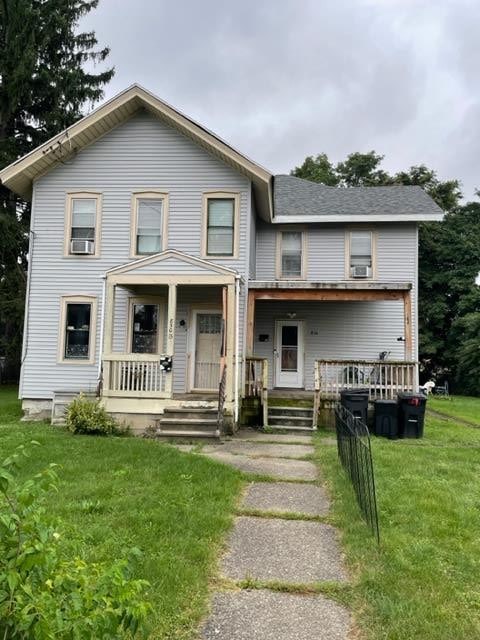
[83,247]
[361,271]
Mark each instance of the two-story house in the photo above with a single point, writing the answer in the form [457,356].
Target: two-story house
[163,262]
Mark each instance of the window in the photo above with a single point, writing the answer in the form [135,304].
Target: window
[148,223]
[290,258]
[221,221]
[82,237]
[145,325]
[361,254]
[78,317]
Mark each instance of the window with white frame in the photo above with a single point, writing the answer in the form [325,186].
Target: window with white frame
[83,223]
[291,250]
[220,231]
[149,223]
[361,253]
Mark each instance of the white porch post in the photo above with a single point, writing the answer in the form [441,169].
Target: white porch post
[230,341]
[109,313]
[171,322]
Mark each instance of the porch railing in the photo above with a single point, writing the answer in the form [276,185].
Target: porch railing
[383,378]
[134,375]
[256,382]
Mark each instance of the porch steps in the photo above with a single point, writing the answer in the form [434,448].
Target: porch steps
[188,422]
[290,418]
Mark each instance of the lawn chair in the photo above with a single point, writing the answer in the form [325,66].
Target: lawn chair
[442,390]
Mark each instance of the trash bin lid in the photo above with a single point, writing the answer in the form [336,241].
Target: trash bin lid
[385,402]
[417,398]
[355,391]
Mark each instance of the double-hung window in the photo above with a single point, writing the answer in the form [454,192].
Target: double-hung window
[220,233]
[361,254]
[83,226]
[78,329]
[290,259]
[149,223]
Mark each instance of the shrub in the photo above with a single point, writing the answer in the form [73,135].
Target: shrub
[88,416]
[44,595]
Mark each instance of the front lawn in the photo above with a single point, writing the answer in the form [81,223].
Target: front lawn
[117,493]
[466,408]
[423,581]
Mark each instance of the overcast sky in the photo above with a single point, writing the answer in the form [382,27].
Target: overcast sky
[283,79]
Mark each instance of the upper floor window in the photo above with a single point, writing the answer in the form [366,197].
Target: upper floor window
[361,254]
[149,220]
[82,236]
[78,315]
[221,211]
[290,258]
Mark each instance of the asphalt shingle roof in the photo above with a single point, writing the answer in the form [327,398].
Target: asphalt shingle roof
[297,197]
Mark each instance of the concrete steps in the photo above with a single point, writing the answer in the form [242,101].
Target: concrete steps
[188,422]
[296,419]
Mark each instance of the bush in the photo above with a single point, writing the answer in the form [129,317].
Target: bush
[44,595]
[88,416]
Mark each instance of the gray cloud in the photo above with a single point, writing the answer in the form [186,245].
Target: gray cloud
[282,79]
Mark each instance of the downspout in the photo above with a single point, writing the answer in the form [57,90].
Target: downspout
[27,298]
[237,345]
[102,323]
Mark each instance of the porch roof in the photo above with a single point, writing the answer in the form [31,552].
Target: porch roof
[171,267]
[342,285]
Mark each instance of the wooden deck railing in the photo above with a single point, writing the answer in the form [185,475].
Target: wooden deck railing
[256,382]
[134,376]
[383,378]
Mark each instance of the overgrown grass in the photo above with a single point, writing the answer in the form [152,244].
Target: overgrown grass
[466,408]
[423,581]
[116,493]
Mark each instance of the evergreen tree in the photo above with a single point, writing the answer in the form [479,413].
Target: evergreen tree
[45,85]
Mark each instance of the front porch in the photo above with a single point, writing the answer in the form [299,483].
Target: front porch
[311,340]
[169,340]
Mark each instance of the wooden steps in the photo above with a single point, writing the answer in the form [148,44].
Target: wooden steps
[298,419]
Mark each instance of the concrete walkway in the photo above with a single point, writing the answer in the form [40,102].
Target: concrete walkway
[280,540]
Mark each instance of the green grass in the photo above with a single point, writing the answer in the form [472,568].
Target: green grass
[423,580]
[116,493]
[462,407]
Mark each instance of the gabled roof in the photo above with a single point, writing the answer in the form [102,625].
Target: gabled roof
[298,200]
[170,259]
[19,175]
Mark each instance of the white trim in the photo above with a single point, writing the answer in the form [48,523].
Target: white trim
[400,217]
[170,253]
[192,344]
[300,384]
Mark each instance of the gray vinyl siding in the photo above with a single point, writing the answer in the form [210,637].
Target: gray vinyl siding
[142,154]
[337,330]
[253,241]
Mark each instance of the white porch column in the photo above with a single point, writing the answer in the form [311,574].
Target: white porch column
[109,313]
[171,322]
[230,342]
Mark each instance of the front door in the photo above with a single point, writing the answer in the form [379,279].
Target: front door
[289,353]
[208,344]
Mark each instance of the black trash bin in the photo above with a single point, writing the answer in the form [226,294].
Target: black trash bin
[356,401]
[411,415]
[385,422]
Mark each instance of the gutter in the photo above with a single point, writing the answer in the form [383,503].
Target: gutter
[237,346]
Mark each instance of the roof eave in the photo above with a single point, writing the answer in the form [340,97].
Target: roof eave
[405,217]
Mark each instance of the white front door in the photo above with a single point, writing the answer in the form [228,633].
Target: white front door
[207,347]
[289,353]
